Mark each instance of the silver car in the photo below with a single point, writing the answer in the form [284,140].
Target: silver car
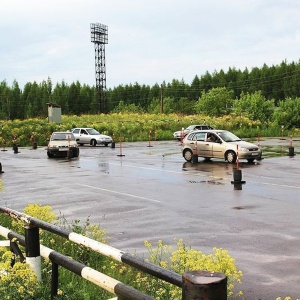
[91,137]
[218,144]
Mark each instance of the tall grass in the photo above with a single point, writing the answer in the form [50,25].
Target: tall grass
[133,127]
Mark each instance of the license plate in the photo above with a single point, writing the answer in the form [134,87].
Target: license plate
[254,153]
[62,149]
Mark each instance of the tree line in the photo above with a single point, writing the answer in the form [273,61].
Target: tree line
[276,87]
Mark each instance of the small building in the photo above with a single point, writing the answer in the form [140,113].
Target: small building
[54,113]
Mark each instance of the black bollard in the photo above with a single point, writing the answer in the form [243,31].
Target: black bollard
[15,148]
[194,158]
[1,169]
[113,145]
[237,177]
[291,151]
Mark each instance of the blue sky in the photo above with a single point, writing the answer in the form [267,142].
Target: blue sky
[148,41]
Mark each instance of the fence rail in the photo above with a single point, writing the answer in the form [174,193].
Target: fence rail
[208,285]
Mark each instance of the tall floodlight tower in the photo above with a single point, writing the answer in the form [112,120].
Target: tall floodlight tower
[99,38]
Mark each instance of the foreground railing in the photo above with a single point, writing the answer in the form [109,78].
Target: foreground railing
[194,284]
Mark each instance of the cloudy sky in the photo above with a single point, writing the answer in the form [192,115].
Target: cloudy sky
[149,41]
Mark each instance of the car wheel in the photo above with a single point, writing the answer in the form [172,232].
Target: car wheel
[188,154]
[80,144]
[50,155]
[231,157]
[93,143]
[106,144]
[250,160]
[77,152]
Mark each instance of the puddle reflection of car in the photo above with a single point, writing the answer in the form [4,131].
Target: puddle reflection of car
[91,137]
[218,144]
[180,134]
[62,144]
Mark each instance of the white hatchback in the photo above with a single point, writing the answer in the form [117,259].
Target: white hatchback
[91,137]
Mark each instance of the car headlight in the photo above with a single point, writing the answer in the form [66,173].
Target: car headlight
[244,149]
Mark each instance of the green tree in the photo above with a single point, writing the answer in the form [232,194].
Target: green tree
[215,102]
[16,105]
[5,97]
[288,113]
[254,106]
[127,108]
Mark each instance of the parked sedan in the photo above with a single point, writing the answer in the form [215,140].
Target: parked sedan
[62,144]
[180,134]
[91,137]
[218,144]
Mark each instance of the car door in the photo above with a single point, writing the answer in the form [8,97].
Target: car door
[207,145]
[198,142]
[217,147]
[84,136]
[76,132]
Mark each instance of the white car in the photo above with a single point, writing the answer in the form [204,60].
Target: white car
[180,134]
[62,144]
[91,137]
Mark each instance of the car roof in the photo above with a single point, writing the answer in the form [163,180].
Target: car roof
[82,128]
[199,125]
[209,130]
[69,132]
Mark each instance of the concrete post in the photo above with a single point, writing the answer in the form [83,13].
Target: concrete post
[32,248]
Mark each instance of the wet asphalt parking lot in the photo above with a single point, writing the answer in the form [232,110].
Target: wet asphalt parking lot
[146,191]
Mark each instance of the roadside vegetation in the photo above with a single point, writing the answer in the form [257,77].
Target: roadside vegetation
[19,282]
[132,127]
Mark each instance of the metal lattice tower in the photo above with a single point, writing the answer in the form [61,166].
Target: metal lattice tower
[99,37]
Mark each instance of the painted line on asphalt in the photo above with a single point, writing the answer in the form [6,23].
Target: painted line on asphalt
[275,184]
[120,193]
[160,170]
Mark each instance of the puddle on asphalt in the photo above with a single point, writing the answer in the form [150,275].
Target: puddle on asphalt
[275,151]
[206,181]
[244,207]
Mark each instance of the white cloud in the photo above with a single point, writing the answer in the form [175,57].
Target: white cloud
[148,41]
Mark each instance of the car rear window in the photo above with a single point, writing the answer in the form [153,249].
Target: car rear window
[62,137]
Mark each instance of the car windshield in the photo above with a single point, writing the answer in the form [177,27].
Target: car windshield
[227,136]
[191,127]
[92,131]
[62,136]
